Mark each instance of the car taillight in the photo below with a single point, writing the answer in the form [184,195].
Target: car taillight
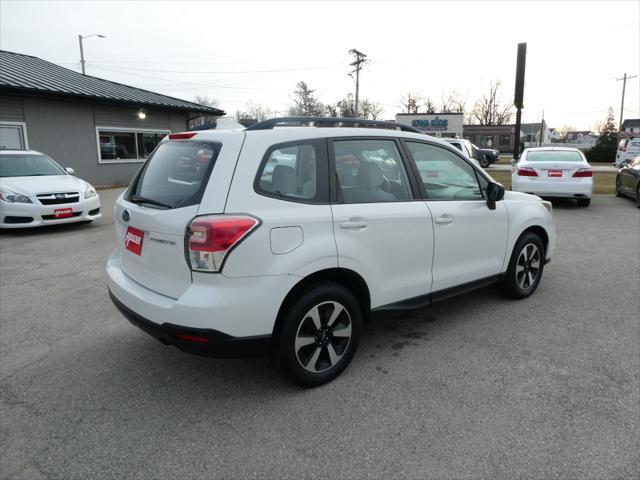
[583,172]
[527,172]
[211,238]
[182,136]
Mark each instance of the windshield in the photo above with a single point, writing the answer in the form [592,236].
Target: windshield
[28,165]
[553,156]
[176,175]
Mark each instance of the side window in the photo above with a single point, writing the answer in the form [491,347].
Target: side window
[296,172]
[370,171]
[444,175]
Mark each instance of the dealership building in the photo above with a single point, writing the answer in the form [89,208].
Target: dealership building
[436,124]
[102,129]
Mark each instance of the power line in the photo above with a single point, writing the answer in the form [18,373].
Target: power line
[218,72]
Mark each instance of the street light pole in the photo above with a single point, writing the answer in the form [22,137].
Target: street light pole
[80,38]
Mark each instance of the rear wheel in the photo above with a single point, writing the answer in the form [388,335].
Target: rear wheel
[584,202]
[525,267]
[618,190]
[484,162]
[319,335]
[638,195]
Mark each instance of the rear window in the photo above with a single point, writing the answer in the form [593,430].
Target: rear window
[553,156]
[175,175]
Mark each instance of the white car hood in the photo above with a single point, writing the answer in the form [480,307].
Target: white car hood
[43,184]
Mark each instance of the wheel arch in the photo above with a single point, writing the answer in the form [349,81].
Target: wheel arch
[540,231]
[345,277]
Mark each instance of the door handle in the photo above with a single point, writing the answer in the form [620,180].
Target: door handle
[354,224]
[444,220]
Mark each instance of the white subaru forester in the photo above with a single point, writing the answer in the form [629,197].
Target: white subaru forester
[286,239]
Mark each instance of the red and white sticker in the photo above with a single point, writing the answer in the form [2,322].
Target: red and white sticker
[133,240]
[555,173]
[63,213]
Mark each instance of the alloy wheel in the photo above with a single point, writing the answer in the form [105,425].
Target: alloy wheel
[528,266]
[323,337]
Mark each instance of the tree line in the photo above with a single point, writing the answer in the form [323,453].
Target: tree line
[490,109]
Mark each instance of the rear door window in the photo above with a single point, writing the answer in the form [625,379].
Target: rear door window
[176,175]
[295,171]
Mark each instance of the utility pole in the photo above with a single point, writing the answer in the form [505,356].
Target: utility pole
[541,130]
[80,38]
[360,58]
[624,86]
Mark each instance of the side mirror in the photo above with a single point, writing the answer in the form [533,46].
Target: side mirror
[70,170]
[495,193]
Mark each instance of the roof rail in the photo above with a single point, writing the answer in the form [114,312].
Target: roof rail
[329,122]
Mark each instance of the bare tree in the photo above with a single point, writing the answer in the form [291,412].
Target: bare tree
[564,130]
[370,110]
[490,109]
[410,102]
[331,110]
[453,102]
[206,100]
[256,110]
[347,107]
[429,106]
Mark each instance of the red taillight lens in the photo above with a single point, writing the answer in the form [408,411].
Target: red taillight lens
[583,172]
[211,238]
[527,172]
[626,144]
[182,136]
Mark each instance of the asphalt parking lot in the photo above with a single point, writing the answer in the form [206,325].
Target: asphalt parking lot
[474,387]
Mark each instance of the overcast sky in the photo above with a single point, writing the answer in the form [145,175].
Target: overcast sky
[241,51]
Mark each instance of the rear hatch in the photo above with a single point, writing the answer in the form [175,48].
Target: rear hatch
[556,165]
[153,215]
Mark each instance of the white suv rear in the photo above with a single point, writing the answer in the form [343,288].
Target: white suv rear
[287,239]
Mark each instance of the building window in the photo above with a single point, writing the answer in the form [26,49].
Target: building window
[13,136]
[125,145]
[486,141]
[528,138]
[505,141]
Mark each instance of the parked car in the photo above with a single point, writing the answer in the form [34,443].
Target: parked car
[468,149]
[628,149]
[489,155]
[35,190]
[554,172]
[628,180]
[251,257]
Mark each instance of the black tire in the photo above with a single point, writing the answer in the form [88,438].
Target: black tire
[484,163]
[299,325]
[618,192]
[512,284]
[638,196]
[584,202]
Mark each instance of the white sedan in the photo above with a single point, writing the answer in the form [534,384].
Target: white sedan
[35,190]
[554,172]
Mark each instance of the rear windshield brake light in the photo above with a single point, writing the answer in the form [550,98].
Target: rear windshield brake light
[182,136]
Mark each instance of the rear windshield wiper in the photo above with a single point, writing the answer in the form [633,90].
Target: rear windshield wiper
[150,201]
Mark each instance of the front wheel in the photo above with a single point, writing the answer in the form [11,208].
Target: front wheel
[484,163]
[638,196]
[525,267]
[319,335]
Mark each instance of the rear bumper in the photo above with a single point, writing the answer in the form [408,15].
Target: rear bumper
[582,188]
[209,343]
